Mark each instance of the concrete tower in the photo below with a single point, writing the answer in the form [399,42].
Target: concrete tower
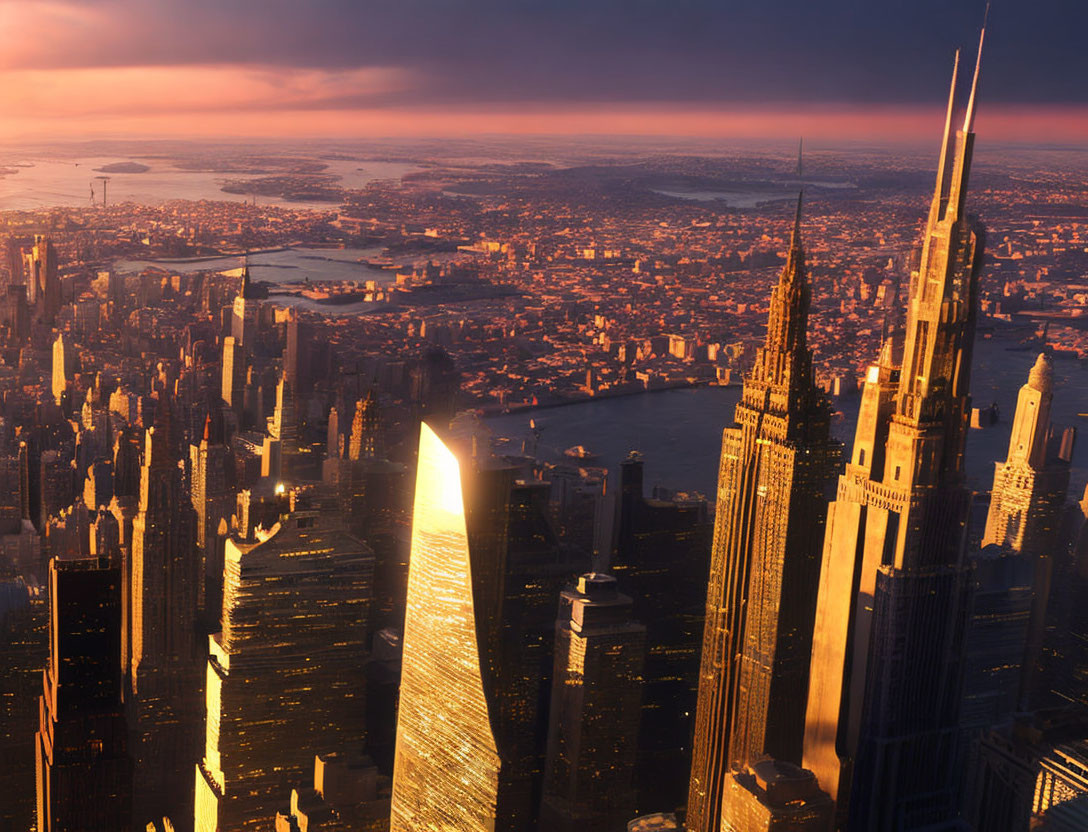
[84,771]
[1027,500]
[589,779]
[886,662]
[285,675]
[777,471]
[164,705]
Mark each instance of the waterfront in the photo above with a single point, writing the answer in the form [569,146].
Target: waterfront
[679,431]
[51,183]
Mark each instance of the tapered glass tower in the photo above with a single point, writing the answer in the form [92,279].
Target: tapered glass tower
[446,771]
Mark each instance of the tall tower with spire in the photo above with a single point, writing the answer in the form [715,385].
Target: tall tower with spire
[883,695]
[777,470]
[1027,500]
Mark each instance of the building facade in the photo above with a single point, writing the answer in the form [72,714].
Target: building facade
[589,780]
[883,705]
[447,765]
[483,575]
[83,767]
[285,674]
[777,471]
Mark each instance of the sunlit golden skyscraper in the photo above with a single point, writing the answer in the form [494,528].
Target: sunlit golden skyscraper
[482,583]
[881,725]
[447,766]
[1027,500]
[777,468]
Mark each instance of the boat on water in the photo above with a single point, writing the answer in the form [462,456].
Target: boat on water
[580,453]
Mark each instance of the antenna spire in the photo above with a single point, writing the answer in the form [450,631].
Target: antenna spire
[969,117]
[939,198]
[795,239]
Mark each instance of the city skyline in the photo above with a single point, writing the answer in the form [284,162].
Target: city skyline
[618,483]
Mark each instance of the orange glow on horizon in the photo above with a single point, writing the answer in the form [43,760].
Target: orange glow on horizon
[240,101]
[1047,125]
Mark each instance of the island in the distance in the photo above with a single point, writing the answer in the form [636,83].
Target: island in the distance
[123,167]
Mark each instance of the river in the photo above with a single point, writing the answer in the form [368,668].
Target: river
[679,431]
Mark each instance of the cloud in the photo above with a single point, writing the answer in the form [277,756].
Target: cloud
[185,90]
[581,50]
[289,65]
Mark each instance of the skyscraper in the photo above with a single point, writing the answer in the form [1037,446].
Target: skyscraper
[447,768]
[61,368]
[777,468]
[285,676]
[660,558]
[243,322]
[366,430]
[482,570]
[42,279]
[24,651]
[589,779]
[84,771]
[213,497]
[887,650]
[234,375]
[281,449]
[164,706]
[1027,501]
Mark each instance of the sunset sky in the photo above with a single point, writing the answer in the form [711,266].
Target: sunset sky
[344,68]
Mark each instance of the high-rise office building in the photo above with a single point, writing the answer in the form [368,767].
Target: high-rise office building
[1063,677]
[777,471]
[285,677]
[165,668]
[213,495]
[296,355]
[24,651]
[1027,500]
[62,363]
[243,321]
[234,375]
[84,770]
[281,449]
[595,709]
[661,551]
[447,769]
[40,266]
[469,748]
[883,704]
[996,637]
[366,430]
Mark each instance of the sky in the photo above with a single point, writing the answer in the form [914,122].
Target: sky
[863,69]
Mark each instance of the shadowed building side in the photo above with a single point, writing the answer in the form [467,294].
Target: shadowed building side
[777,469]
[883,706]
